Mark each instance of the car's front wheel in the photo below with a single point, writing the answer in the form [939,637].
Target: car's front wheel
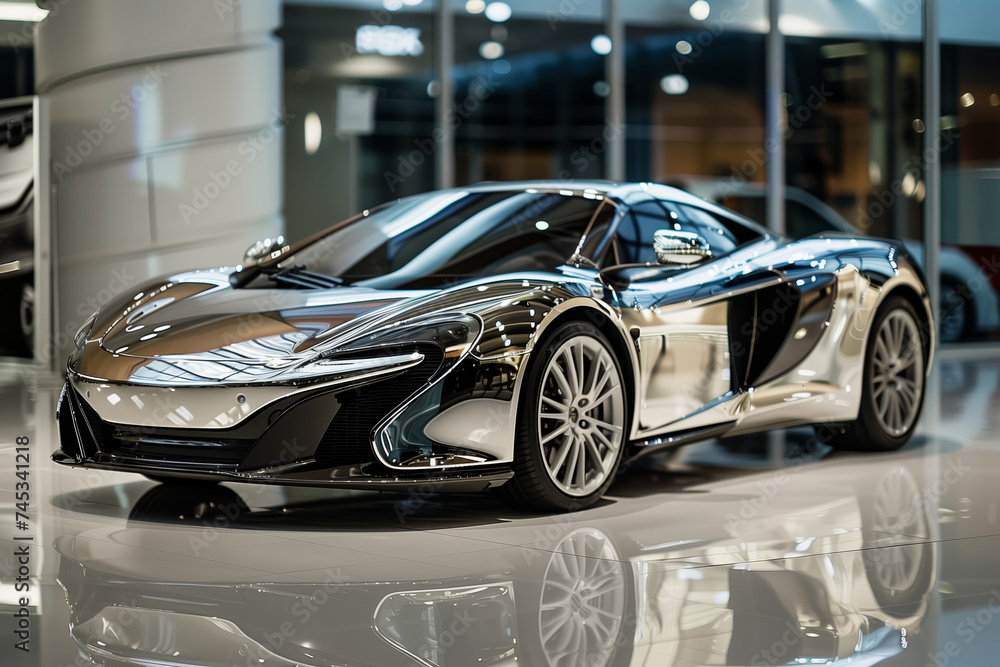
[572,422]
[892,394]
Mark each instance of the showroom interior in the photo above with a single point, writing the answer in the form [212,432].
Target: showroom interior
[143,139]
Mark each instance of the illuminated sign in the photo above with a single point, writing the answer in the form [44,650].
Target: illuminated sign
[388,40]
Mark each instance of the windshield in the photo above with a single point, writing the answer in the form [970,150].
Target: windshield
[440,238]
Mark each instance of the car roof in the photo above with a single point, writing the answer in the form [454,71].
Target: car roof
[621,191]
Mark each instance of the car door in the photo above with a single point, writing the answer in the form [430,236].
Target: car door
[678,315]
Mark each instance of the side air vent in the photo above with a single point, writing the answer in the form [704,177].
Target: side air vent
[348,439]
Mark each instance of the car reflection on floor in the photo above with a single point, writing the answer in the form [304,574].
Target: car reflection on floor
[845,579]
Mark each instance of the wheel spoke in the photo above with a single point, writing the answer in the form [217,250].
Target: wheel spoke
[580,366]
[595,455]
[581,465]
[614,428]
[557,405]
[556,432]
[595,374]
[560,456]
[562,382]
[603,397]
[572,372]
[879,390]
[571,462]
[881,351]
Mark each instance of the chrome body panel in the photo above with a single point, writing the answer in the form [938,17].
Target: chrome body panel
[432,377]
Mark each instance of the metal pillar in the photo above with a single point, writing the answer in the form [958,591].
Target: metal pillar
[774,143]
[444,61]
[614,103]
[932,167]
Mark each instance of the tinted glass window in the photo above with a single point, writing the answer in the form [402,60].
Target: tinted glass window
[720,238]
[640,224]
[442,237]
[801,221]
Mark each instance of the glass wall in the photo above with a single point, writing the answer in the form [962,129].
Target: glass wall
[529,95]
[530,100]
[358,83]
[695,99]
[970,180]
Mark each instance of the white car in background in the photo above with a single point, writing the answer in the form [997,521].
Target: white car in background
[969,303]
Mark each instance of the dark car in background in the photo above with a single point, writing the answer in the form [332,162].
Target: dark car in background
[17,295]
[969,305]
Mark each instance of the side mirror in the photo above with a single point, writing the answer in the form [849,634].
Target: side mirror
[262,249]
[675,247]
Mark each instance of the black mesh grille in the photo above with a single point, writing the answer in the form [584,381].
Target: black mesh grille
[98,437]
[103,432]
[68,441]
[348,439]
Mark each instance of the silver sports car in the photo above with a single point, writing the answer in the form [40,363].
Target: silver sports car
[529,338]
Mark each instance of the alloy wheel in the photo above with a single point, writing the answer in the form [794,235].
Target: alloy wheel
[583,601]
[897,373]
[581,416]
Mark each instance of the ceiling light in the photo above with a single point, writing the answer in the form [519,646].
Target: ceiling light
[21,11]
[498,12]
[601,44]
[700,10]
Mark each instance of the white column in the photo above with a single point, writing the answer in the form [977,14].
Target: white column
[164,131]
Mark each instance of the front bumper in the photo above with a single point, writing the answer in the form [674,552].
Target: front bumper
[321,437]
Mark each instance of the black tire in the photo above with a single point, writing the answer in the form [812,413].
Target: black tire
[867,433]
[179,481]
[957,311]
[27,312]
[212,504]
[14,340]
[532,487]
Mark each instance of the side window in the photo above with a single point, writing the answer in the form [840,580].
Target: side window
[720,238]
[801,221]
[640,223]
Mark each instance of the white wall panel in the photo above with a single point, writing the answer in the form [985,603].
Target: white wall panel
[166,129]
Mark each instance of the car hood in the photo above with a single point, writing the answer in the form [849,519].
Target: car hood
[196,329]
[194,316]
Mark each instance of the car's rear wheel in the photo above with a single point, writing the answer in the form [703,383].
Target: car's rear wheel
[572,423]
[17,298]
[956,312]
[892,394]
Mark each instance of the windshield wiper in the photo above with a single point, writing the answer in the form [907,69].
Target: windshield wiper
[301,277]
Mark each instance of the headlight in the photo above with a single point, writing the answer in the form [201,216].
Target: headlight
[344,369]
[83,333]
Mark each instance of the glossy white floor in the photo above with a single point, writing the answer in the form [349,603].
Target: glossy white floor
[773,551]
